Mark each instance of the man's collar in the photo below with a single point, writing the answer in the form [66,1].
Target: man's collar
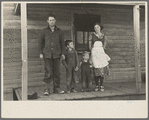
[55,28]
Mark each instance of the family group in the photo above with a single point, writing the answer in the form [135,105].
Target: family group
[53,47]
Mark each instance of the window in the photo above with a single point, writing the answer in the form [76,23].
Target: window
[84,25]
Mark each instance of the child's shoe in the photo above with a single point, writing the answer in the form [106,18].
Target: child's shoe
[101,88]
[73,90]
[83,90]
[77,81]
[68,91]
[97,88]
[88,90]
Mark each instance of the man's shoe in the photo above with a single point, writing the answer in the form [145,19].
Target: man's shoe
[46,92]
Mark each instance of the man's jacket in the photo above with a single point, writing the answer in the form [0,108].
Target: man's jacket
[51,44]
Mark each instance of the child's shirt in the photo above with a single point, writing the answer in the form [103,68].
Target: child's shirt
[85,66]
[71,58]
[99,57]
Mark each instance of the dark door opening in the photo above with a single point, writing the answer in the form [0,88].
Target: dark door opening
[84,25]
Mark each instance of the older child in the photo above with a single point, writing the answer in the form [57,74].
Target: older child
[85,65]
[100,61]
[71,61]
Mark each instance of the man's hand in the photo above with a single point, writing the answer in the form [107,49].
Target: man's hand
[77,68]
[63,56]
[41,56]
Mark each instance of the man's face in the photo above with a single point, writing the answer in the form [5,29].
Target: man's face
[51,21]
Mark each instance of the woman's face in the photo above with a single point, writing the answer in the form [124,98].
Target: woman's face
[97,28]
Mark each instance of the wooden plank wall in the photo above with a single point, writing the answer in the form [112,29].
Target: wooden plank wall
[118,24]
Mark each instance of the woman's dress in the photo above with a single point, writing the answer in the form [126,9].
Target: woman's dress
[100,69]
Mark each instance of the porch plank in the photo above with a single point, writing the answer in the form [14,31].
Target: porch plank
[112,91]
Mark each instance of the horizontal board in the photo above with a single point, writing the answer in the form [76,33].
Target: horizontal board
[8,5]
[121,65]
[9,88]
[45,7]
[12,78]
[12,36]
[33,44]
[30,63]
[116,76]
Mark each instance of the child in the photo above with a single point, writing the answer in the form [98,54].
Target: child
[71,61]
[100,62]
[85,72]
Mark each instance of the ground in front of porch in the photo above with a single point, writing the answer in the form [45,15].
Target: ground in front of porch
[113,91]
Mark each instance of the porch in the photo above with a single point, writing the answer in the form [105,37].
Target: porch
[121,43]
[113,91]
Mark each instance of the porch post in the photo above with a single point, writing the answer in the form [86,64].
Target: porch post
[136,19]
[72,28]
[24,50]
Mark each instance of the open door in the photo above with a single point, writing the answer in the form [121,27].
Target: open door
[84,25]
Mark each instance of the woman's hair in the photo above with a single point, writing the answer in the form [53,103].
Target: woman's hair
[67,42]
[51,15]
[101,26]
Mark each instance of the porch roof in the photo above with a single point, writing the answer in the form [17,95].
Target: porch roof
[141,4]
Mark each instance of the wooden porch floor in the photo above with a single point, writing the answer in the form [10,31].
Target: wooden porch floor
[113,91]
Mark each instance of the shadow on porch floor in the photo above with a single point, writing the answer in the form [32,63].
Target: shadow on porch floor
[113,91]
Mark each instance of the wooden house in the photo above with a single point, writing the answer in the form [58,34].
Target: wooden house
[76,20]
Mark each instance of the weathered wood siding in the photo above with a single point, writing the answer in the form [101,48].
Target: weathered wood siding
[118,23]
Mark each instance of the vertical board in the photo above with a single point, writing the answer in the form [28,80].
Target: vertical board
[24,50]
[136,18]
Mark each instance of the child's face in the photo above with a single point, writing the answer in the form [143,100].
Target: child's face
[71,45]
[86,57]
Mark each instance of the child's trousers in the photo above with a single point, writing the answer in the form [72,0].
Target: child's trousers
[86,79]
[71,77]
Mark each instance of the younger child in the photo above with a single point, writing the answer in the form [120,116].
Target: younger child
[71,61]
[85,65]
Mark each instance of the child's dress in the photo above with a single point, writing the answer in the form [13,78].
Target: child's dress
[99,57]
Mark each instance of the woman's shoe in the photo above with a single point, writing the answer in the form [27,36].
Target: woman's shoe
[101,88]
[97,88]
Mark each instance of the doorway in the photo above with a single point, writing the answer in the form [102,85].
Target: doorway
[84,25]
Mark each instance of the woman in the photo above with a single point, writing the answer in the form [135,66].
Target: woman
[99,57]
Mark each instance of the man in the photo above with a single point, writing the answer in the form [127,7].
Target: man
[52,47]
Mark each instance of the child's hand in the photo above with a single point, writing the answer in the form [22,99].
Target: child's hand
[91,66]
[77,68]
[41,56]
[63,56]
